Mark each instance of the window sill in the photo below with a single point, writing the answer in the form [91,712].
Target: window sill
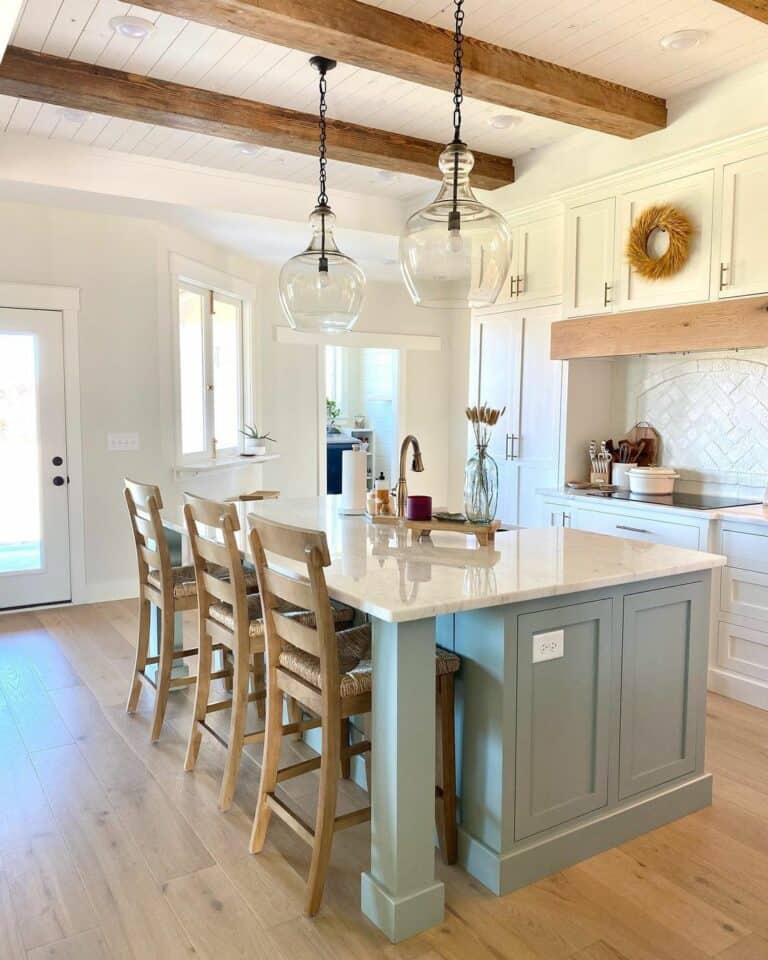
[220,463]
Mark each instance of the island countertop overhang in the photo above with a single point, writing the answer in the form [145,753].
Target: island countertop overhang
[381,572]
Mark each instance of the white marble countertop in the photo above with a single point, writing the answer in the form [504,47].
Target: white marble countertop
[379,570]
[753,513]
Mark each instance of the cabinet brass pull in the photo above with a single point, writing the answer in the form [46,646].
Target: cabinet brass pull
[566,519]
[521,285]
[620,526]
[723,271]
[606,288]
[509,446]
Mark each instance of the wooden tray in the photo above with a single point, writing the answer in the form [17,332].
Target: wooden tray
[485,533]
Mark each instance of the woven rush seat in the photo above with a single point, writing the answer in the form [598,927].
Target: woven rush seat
[222,613]
[184,579]
[355,666]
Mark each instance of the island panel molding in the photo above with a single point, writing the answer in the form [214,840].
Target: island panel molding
[722,325]
[85,86]
[386,42]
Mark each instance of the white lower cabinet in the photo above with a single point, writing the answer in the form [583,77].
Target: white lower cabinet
[739,655]
[634,527]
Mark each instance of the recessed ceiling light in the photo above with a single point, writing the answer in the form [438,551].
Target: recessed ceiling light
[135,28]
[74,116]
[249,149]
[503,121]
[683,39]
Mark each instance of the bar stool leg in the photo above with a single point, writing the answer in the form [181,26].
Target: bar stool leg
[142,648]
[164,669]
[270,761]
[346,741]
[202,695]
[445,807]
[326,813]
[237,723]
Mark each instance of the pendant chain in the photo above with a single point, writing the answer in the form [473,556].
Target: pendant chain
[458,93]
[322,198]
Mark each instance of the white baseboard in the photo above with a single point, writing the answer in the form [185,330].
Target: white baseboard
[108,590]
[746,689]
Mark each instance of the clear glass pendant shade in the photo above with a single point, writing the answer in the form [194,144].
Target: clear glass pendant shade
[455,252]
[321,289]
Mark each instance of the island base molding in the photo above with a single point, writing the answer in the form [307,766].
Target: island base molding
[503,873]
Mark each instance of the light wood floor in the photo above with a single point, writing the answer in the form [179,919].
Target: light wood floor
[107,849]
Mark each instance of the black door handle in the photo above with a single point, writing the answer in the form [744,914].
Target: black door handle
[58,481]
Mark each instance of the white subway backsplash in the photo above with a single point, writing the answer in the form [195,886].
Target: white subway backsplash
[711,410]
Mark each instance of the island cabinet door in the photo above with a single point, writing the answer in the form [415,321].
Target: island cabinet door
[663,645]
[563,715]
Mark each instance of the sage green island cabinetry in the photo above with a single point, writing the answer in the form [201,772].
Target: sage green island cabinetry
[582,723]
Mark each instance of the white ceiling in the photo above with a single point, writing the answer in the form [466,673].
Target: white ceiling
[615,39]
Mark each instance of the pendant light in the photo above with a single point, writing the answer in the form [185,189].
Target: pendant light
[456,251]
[321,289]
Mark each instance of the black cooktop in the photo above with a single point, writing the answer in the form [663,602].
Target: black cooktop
[693,501]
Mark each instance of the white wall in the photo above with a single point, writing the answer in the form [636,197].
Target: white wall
[121,265]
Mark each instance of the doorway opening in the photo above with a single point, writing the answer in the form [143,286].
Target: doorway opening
[362,397]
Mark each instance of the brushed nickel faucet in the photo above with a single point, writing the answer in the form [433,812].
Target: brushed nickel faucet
[416,464]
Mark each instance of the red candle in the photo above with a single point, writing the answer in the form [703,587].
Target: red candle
[419,508]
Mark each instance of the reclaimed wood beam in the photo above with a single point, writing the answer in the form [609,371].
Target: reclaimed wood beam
[385,42]
[716,325]
[757,9]
[69,83]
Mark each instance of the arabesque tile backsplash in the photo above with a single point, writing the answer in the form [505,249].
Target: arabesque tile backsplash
[711,410]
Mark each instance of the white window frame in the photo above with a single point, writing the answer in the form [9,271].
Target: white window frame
[200,278]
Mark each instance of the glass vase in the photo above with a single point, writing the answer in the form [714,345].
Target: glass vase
[481,487]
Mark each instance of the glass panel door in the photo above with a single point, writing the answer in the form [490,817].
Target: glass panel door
[34,526]
[20,543]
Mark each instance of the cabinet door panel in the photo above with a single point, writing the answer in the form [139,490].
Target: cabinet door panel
[540,261]
[663,645]
[563,718]
[743,252]
[694,196]
[589,258]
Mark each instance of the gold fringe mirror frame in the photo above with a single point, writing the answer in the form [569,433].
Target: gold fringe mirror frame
[678,228]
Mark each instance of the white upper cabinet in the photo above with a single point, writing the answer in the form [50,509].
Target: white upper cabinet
[540,261]
[536,271]
[743,266]
[694,196]
[589,280]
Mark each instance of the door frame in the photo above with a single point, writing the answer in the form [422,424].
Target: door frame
[66,301]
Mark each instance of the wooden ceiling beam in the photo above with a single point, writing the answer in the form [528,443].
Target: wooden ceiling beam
[376,39]
[69,83]
[757,9]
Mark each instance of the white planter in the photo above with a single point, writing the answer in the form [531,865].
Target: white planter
[653,480]
[254,448]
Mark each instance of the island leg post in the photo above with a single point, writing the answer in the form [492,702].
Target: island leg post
[400,894]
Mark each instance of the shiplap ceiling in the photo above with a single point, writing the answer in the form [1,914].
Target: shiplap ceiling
[613,39]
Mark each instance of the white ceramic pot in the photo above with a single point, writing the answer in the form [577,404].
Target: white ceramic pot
[255,448]
[653,480]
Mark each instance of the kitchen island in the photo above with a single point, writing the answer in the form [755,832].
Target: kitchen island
[600,739]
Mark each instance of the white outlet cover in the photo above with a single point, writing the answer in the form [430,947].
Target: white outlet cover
[548,646]
[122,442]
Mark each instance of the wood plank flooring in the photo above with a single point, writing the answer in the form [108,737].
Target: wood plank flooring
[109,850]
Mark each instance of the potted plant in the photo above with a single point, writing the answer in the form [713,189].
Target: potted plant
[332,412]
[255,444]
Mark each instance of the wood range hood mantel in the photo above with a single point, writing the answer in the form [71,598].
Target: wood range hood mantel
[719,325]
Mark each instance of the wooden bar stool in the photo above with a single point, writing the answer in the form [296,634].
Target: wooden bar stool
[172,589]
[229,617]
[329,674]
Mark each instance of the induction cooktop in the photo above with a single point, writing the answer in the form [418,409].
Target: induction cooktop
[693,501]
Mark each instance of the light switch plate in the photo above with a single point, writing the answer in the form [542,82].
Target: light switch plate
[122,442]
[548,646]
